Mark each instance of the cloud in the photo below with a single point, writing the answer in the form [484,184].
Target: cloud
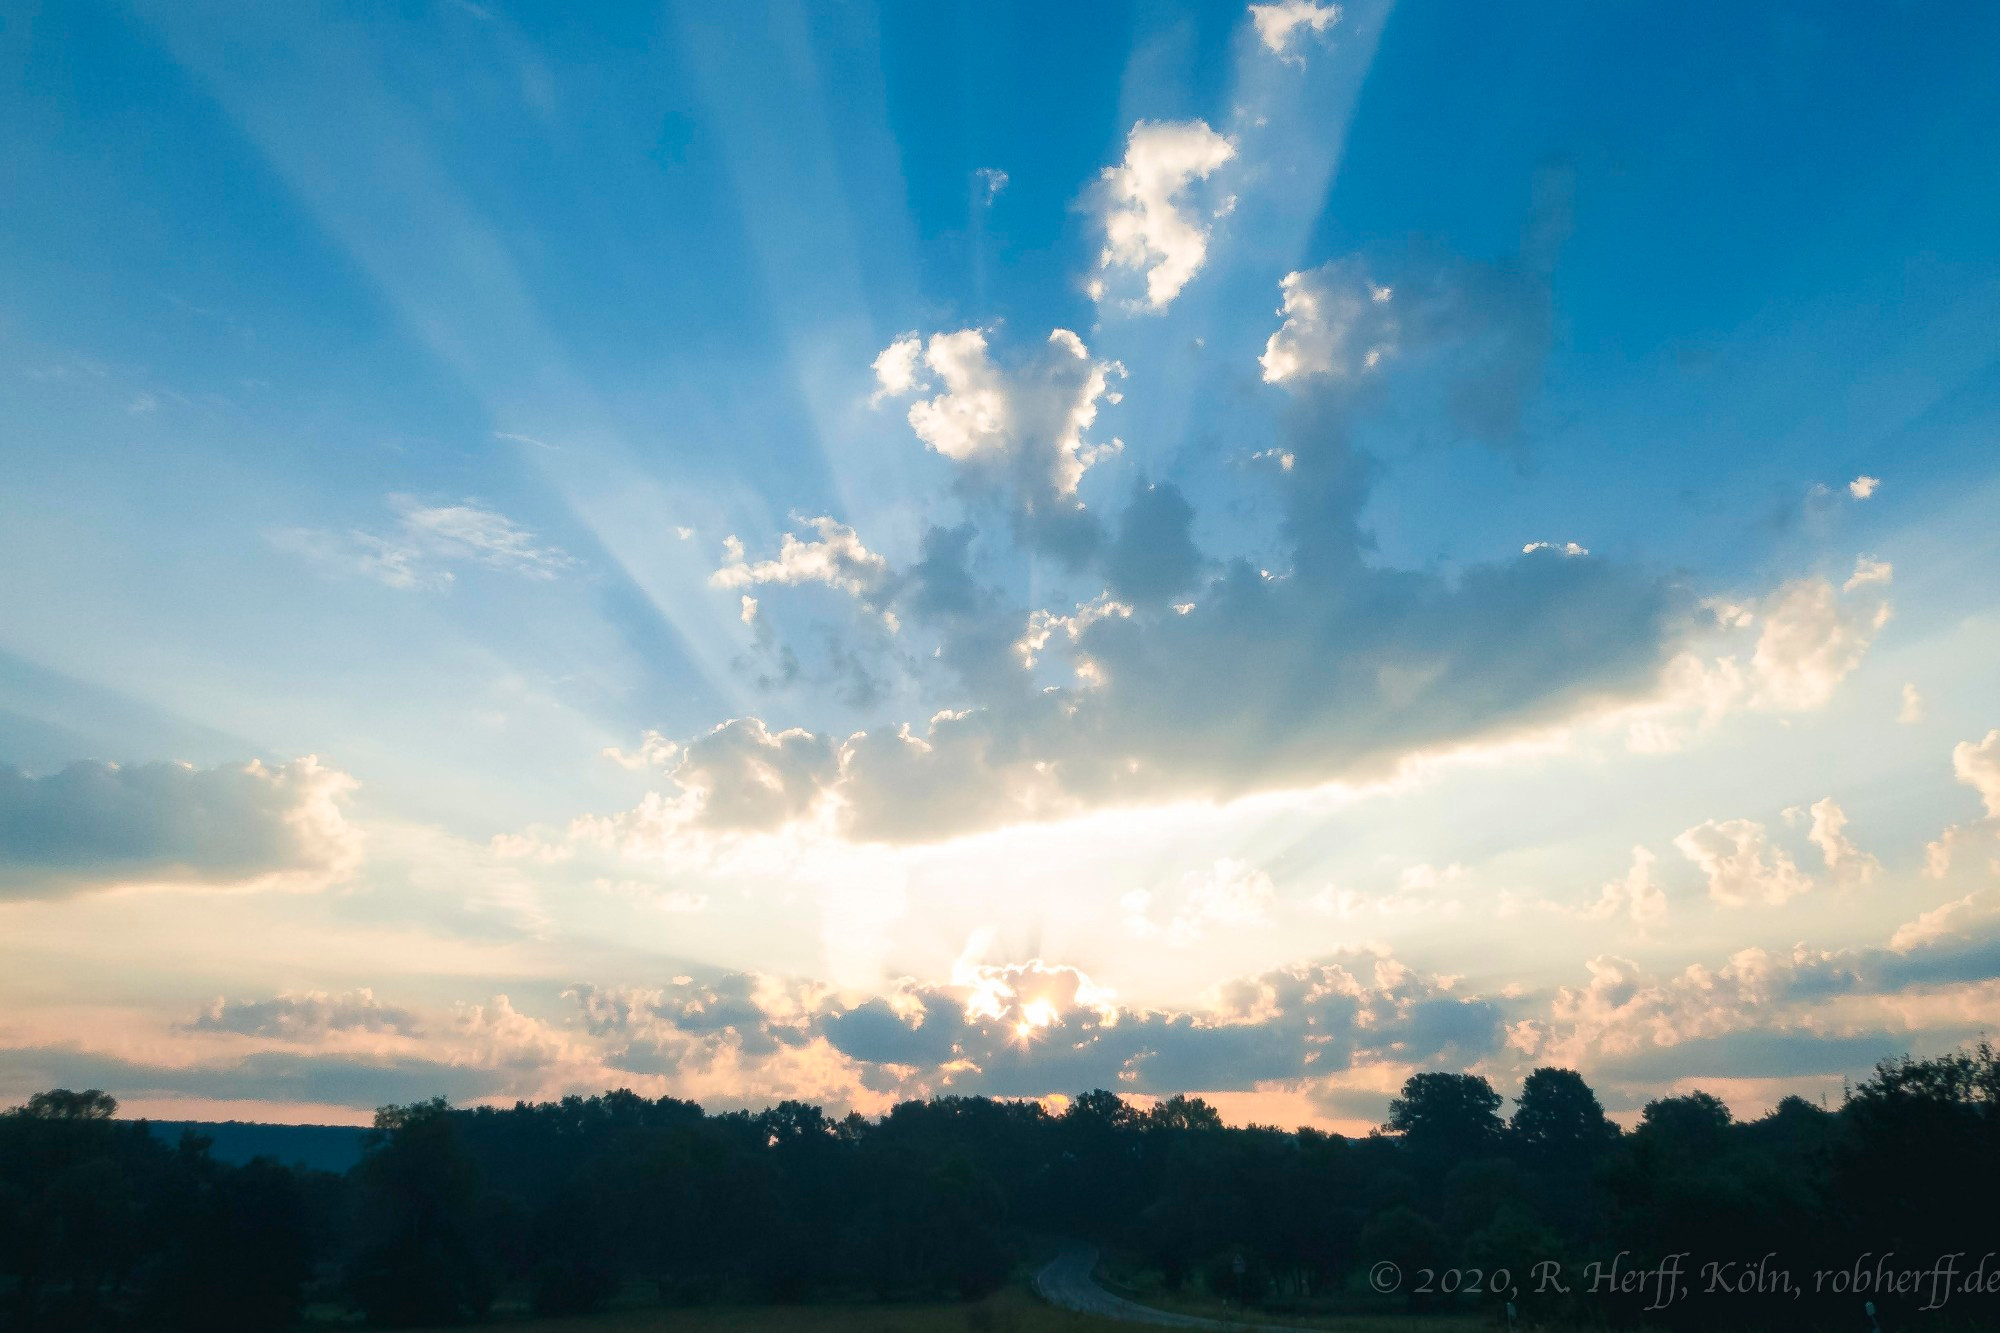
[1638,896]
[426,543]
[1742,866]
[306,1017]
[655,751]
[836,557]
[1484,328]
[1849,864]
[1812,638]
[1337,324]
[1949,921]
[1978,767]
[896,368]
[1018,432]
[1228,893]
[95,824]
[742,775]
[296,1077]
[1277,23]
[1148,223]
[1219,680]
[992,181]
[1034,1028]
[1861,488]
[1912,710]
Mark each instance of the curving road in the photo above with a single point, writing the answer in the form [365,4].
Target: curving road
[1066,1281]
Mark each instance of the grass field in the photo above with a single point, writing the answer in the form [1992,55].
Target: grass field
[1011,1310]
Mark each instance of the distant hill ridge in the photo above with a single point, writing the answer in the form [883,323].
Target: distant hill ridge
[320,1147]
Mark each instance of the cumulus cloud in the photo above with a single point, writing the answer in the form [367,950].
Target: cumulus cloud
[1637,896]
[1230,893]
[1019,431]
[95,824]
[1812,637]
[1742,865]
[1149,223]
[1485,327]
[1278,23]
[426,544]
[655,751]
[1948,921]
[1912,710]
[1336,323]
[1861,488]
[1835,1010]
[1035,1028]
[306,1017]
[1977,765]
[897,368]
[743,775]
[835,556]
[1218,681]
[1849,864]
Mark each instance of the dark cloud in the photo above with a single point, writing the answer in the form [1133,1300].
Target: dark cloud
[306,1017]
[1032,1029]
[1154,555]
[95,823]
[271,1076]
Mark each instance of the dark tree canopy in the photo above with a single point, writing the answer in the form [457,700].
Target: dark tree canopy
[1453,1115]
[1558,1118]
[108,1227]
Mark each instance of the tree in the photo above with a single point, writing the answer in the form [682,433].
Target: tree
[1451,1116]
[1186,1113]
[1696,1122]
[1558,1122]
[62,1104]
[422,1260]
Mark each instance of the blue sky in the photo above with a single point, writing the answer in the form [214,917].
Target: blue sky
[859,552]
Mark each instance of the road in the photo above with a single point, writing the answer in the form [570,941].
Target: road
[1067,1281]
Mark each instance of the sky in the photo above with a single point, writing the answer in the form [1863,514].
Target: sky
[860,553]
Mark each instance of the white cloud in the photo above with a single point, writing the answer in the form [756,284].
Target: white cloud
[655,751]
[1278,23]
[1338,323]
[836,557]
[1637,896]
[1868,571]
[1978,767]
[1570,549]
[1017,430]
[1912,710]
[1812,639]
[1863,487]
[896,368]
[1148,225]
[1829,833]
[1229,893]
[993,180]
[1742,866]
[1948,921]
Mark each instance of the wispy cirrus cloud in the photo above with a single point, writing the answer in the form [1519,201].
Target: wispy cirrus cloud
[428,545]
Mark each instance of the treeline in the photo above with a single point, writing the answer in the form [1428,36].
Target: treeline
[105,1226]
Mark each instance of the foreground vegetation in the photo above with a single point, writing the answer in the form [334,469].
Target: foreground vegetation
[916,1220]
